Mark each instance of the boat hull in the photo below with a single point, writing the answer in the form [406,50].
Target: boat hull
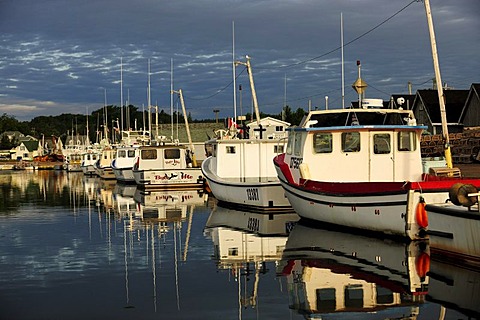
[170,178]
[248,193]
[124,174]
[454,232]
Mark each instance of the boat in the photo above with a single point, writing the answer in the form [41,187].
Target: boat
[361,167]
[89,157]
[123,163]
[103,166]
[166,166]
[73,161]
[240,171]
[454,226]
[332,274]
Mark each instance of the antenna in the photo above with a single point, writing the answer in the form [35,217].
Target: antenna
[234,74]
[343,69]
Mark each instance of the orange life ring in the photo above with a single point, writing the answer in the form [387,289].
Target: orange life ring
[421,214]
[422,264]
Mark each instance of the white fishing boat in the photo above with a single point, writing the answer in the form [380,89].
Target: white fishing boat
[454,227]
[333,273]
[362,168]
[103,166]
[122,165]
[89,157]
[240,171]
[73,161]
[166,166]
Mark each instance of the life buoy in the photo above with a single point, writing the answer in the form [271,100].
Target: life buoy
[422,264]
[421,214]
[458,194]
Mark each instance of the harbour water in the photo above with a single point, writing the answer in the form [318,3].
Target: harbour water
[75,247]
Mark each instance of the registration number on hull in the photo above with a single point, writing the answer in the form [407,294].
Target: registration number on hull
[252,194]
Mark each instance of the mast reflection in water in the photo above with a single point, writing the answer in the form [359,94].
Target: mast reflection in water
[75,247]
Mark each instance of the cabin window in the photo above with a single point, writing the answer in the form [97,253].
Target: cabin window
[172,154]
[233,251]
[384,296]
[350,141]
[290,142]
[407,141]
[149,154]
[322,142]
[278,128]
[298,144]
[326,299]
[230,149]
[278,149]
[354,296]
[131,153]
[122,153]
[381,143]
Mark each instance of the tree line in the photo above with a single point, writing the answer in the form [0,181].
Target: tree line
[67,124]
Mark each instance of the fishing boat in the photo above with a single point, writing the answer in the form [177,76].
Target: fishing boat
[122,165]
[361,167]
[89,157]
[240,171]
[336,274]
[454,226]
[166,166]
[103,166]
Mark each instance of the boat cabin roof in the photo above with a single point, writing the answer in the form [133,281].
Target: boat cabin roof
[357,117]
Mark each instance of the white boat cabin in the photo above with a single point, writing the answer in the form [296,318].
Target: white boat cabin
[163,157]
[356,145]
[246,158]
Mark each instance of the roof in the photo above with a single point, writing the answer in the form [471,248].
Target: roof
[474,93]
[269,121]
[30,145]
[454,102]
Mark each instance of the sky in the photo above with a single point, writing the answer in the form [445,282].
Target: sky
[68,56]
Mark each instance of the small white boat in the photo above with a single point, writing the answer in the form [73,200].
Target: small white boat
[123,163]
[166,166]
[73,162]
[330,272]
[454,229]
[88,161]
[103,166]
[240,171]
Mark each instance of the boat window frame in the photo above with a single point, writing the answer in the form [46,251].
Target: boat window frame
[171,154]
[230,149]
[131,154]
[412,139]
[316,139]
[355,145]
[382,141]
[290,141]
[149,154]
[122,153]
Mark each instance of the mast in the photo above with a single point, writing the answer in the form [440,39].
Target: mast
[343,69]
[234,74]
[121,94]
[149,104]
[252,86]
[182,102]
[171,95]
[438,79]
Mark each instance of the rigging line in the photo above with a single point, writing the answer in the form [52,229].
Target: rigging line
[388,94]
[218,91]
[346,44]
[300,98]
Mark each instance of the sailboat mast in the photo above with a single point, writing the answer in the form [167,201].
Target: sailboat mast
[343,68]
[234,74]
[121,94]
[438,79]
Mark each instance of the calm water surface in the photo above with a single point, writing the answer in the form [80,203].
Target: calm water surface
[73,247]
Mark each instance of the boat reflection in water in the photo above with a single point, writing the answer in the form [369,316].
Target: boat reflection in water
[330,273]
[455,288]
[245,243]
